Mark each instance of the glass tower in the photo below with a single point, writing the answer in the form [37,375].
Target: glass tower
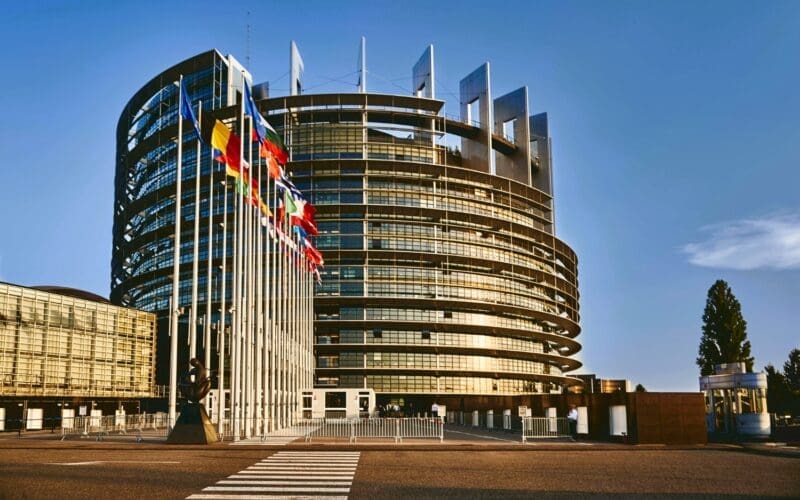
[443,274]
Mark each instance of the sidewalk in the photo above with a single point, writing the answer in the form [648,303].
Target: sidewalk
[456,438]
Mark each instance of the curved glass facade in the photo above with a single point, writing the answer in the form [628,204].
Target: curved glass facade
[443,274]
[439,278]
[144,215]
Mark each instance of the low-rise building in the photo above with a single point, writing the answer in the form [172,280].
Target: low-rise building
[63,348]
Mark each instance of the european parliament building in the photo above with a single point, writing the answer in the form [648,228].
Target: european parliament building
[443,274]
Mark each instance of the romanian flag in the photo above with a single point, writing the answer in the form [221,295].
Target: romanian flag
[228,146]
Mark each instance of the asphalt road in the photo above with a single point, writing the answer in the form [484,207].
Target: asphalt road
[108,470]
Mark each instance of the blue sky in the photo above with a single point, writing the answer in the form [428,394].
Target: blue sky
[675,131]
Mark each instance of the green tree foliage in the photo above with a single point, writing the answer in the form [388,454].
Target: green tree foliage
[783,389]
[778,394]
[791,371]
[724,338]
[640,388]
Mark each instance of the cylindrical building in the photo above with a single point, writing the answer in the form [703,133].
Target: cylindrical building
[443,274]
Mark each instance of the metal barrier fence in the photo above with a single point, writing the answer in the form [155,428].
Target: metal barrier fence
[154,424]
[544,427]
[157,426]
[354,428]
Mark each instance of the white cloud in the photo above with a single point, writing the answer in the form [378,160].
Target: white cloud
[769,242]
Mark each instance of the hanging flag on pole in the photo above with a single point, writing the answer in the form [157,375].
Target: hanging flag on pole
[228,146]
[269,139]
[186,110]
[274,168]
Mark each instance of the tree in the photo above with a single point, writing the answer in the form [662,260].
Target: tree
[640,388]
[724,338]
[778,393]
[791,371]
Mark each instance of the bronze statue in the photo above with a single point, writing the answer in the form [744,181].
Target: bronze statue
[194,426]
[195,390]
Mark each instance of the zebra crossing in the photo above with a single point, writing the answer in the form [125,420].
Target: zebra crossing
[289,474]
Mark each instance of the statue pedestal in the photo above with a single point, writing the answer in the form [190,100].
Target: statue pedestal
[193,427]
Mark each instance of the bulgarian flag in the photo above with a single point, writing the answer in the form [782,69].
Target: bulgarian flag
[271,143]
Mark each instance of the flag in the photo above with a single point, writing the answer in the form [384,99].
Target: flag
[186,110]
[301,233]
[271,143]
[304,215]
[228,146]
[313,255]
[295,209]
[281,210]
[289,204]
[275,170]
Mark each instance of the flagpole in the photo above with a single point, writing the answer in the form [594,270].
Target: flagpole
[267,320]
[176,258]
[286,330]
[195,250]
[281,358]
[223,310]
[267,330]
[240,269]
[291,313]
[209,270]
[273,312]
[299,335]
[311,339]
[236,250]
[258,300]
[248,379]
[293,330]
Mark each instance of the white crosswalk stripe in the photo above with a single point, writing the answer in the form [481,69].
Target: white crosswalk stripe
[289,474]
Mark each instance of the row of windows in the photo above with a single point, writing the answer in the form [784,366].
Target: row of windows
[55,342]
[453,385]
[60,376]
[399,178]
[456,292]
[484,237]
[431,316]
[427,337]
[455,191]
[67,313]
[445,247]
[442,202]
[455,279]
[410,360]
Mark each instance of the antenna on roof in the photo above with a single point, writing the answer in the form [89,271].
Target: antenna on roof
[247,45]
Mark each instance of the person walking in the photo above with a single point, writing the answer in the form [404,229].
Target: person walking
[572,418]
